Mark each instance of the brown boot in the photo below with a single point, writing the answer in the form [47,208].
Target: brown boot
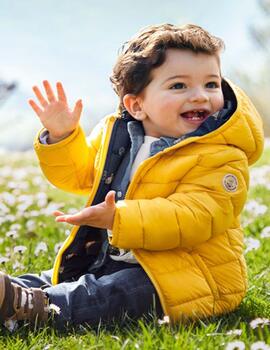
[18,303]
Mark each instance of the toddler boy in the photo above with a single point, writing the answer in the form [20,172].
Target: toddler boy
[167,178]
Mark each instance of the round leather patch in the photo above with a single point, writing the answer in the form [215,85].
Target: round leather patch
[230,183]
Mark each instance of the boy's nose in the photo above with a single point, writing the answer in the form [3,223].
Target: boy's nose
[199,95]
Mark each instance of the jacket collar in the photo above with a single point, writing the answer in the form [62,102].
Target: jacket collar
[136,130]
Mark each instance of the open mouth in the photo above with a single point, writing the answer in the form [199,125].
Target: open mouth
[196,115]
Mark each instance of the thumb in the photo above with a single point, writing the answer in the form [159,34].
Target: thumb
[110,199]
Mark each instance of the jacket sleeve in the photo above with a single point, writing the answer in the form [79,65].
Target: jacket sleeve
[206,203]
[70,163]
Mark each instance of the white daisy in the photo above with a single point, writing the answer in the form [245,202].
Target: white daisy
[41,247]
[259,345]
[265,232]
[251,244]
[235,345]
[165,320]
[19,249]
[259,322]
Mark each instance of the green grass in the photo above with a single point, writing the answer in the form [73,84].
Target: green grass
[31,195]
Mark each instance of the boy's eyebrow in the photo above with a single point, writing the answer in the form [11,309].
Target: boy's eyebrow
[187,76]
[176,76]
[213,76]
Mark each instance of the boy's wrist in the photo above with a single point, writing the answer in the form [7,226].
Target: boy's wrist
[51,139]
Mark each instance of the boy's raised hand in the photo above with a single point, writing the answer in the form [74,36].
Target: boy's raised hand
[100,215]
[54,112]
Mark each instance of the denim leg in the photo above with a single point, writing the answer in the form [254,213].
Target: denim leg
[30,280]
[91,300]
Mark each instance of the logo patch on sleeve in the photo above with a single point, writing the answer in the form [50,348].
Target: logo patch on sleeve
[230,183]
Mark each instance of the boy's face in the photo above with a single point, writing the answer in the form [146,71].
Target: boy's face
[184,91]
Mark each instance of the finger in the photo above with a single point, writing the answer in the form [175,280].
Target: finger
[82,217]
[49,91]
[77,109]
[61,218]
[110,198]
[35,107]
[57,213]
[61,92]
[70,219]
[40,97]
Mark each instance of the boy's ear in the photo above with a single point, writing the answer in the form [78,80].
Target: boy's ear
[133,105]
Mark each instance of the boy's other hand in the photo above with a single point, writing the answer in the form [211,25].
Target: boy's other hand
[54,112]
[100,215]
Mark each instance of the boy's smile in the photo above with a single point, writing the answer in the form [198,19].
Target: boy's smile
[183,92]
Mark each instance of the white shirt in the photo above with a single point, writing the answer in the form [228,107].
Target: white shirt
[143,153]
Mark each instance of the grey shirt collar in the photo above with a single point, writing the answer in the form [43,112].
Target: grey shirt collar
[136,132]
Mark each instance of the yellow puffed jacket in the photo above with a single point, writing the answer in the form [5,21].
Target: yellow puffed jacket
[181,212]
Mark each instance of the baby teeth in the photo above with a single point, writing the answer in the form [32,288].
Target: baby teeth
[195,118]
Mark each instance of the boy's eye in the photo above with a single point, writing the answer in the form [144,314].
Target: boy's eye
[212,85]
[178,86]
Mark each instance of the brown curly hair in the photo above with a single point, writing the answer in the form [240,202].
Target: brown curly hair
[147,50]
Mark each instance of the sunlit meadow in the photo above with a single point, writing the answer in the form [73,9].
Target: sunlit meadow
[30,238]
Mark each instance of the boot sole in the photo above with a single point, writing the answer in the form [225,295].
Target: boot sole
[2,288]
[6,298]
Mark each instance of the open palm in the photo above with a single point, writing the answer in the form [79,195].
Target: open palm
[54,112]
[100,215]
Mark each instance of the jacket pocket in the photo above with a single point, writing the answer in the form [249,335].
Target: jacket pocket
[207,275]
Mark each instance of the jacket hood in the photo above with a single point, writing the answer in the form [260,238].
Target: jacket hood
[244,128]
[238,125]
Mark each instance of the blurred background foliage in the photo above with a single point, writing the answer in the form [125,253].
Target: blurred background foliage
[258,86]
[47,44]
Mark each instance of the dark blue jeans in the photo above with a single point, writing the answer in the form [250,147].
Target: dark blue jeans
[115,290]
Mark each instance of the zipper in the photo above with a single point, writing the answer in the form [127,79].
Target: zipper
[74,231]
[103,157]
